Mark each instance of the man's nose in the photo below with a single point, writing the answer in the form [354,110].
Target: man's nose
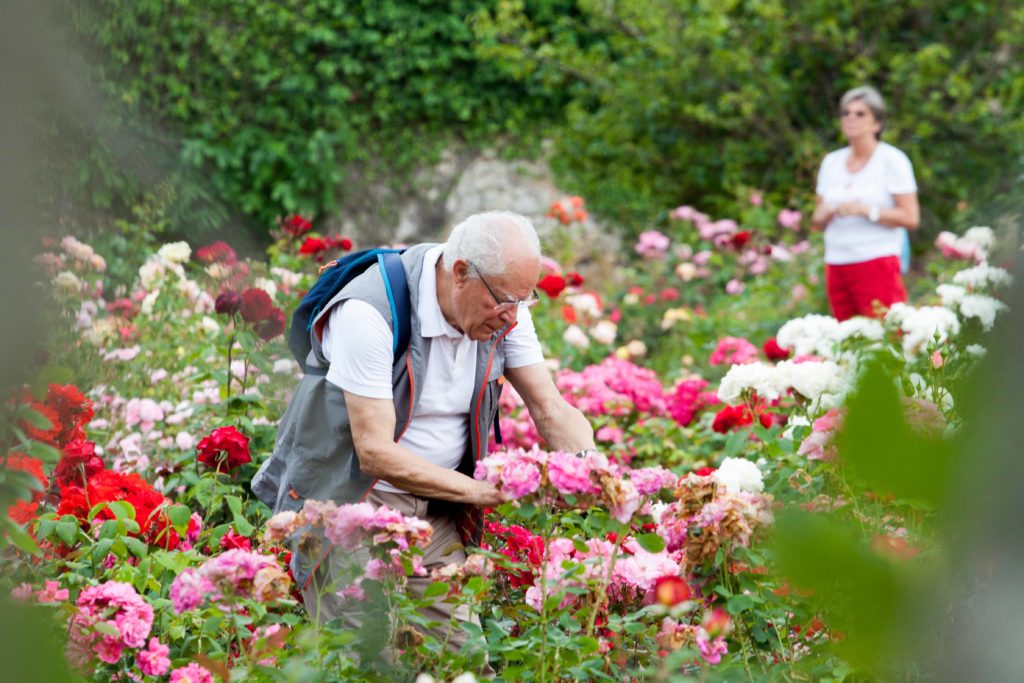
[509,315]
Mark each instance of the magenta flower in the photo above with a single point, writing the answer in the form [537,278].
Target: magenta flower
[790,219]
[153,661]
[733,351]
[568,474]
[652,244]
[52,592]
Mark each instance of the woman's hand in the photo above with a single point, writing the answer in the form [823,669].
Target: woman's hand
[822,215]
[852,209]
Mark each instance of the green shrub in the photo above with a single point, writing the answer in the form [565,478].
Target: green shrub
[696,102]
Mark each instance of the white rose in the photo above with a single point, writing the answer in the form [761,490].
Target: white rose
[739,474]
[574,336]
[66,283]
[175,252]
[267,285]
[604,332]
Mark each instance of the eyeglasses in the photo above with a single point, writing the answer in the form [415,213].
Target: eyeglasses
[503,305]
[859,113]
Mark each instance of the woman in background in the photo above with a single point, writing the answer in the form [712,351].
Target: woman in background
[866,197]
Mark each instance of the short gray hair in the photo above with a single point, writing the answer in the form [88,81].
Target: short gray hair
[485,239]
[870,97]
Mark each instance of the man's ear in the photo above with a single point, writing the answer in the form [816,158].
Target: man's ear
[460,272]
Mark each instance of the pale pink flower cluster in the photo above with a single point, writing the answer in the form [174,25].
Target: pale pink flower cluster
[126,617]
[613,387]
[235,573]
[733,351]
[569,569]
[348,526]
[590,477]
[652,244]
[819,444]
[790,219]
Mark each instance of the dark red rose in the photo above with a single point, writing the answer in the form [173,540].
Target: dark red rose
[552,285]
[773,351]
[343,243]
[271,326]
[256,305]
[574,279]
[312,245]
[233,541]
[225,449]
[740,239]
[218,252]
[228,302]
[296,225]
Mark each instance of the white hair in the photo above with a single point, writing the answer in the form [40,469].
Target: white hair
[488,239]
[872,98]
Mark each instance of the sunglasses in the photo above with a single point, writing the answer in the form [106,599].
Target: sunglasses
[859,113]
[503,305]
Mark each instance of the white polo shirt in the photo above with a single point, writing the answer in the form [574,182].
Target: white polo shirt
[855,239]
[357,342]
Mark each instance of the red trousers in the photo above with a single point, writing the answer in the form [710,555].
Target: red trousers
[854,288]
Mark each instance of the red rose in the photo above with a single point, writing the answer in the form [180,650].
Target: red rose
[74,410]
[218,252]
[569,314]
[574,279]
[224,449]
[740,239]
[296,225]
[271,326]
[123,308]
[79,455]
[730,417]
[233,541]
[773,351]
[705,471]
[552,285]
[228,302]
[336,242]
[312,245]
[256,305]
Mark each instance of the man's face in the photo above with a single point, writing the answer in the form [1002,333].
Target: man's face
[477,300]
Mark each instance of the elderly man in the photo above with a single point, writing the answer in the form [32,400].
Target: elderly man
[407,432]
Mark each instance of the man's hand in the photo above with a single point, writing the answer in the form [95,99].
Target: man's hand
[486,495]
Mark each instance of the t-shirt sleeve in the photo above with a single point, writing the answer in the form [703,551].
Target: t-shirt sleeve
[899,177]
[357,342]
[522,347]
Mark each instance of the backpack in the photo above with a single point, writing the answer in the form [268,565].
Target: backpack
[333,279]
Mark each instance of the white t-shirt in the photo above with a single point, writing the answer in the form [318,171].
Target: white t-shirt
[854,239]
[357,342]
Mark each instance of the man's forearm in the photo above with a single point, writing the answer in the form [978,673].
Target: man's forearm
[405,470]
[565,428]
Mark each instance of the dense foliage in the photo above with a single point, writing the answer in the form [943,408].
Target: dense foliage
[263,108]
[693,101]
[286,106]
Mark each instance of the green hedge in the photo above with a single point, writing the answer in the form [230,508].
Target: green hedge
[698,101]
[287,105]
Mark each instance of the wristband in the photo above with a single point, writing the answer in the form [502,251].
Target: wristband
[585,452]
[873,214]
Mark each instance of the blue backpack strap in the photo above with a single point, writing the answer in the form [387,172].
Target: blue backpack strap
[397,287]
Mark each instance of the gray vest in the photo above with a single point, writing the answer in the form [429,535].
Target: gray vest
[314,457]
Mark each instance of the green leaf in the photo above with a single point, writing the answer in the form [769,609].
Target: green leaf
[436,589]
[883,451]
[35,418]
[106,629]
[21,539]
[67,529]
[41,451]
[739,603]
[652,543]
[102,548]
[242,525]
[135,546]
[179,516]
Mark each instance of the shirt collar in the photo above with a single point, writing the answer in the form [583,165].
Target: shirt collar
[432,322]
